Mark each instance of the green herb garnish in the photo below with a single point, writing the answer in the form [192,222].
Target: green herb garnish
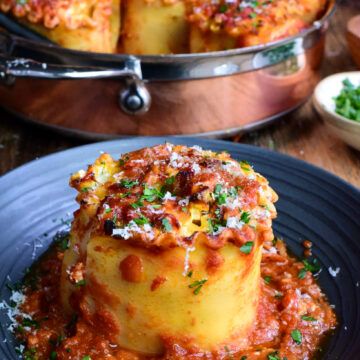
[197,285]
[348,101]
[215,225]
[86,189]
[296,336]
[247,247]
[302,273]
[141,220]
[245,217]
[219,195]
[273,356]
[267,279]
[312,266]
[308,318]
[128,184]
[137,204]
[166,224]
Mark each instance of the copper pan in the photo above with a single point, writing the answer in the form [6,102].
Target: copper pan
[213,94]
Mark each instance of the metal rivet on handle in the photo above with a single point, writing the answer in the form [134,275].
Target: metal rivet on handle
[135,99]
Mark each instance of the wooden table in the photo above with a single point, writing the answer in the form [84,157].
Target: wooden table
[301,134]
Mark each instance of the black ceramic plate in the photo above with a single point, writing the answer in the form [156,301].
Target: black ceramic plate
[36,201]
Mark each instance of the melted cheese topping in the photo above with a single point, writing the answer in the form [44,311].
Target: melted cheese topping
[246,22]
[73,14]
[169,196]
[254,22]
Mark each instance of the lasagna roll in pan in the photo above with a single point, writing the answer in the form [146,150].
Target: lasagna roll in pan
[164,26]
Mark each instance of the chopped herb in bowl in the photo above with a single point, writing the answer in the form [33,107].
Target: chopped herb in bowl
[348,101]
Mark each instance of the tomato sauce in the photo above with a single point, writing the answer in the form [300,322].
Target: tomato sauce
[293,316]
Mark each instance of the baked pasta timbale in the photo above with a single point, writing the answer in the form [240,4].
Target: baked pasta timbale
[165,239]
[164,26]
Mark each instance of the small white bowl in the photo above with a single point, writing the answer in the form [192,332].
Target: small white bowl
[326,90]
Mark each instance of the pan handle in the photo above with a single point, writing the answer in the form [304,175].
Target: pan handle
[134,99]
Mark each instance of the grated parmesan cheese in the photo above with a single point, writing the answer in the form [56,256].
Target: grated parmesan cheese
[333,272]
[128,231]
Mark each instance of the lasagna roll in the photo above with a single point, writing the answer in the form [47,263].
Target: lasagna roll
[89,25]
[166,239]
[223,25]
[154,27]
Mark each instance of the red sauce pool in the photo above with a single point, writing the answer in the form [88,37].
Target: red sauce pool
[293,316]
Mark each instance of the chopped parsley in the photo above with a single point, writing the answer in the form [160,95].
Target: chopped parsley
[166,224]
[190,273]
[150,194]
[197,285]
[296,336]
[141,220]
[124,195]
[307,318]
[86,189]
[215,225]
[245,217]
[128,183]
[247,247]
[348,101]
[86,357]
[219,195]
[137,204]
[267,279]
[302,273]
[53,355]
[273,356]
[312,266]
[233,192]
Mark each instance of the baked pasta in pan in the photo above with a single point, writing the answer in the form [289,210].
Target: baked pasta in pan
[164,26]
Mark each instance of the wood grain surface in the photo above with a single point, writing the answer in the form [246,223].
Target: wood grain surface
[301,134]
